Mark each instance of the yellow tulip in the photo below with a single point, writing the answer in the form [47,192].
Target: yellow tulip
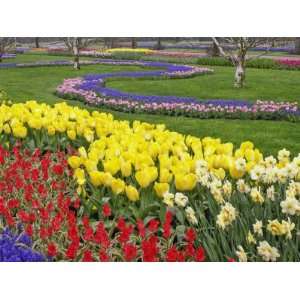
[51,130]
[239,153]
[96,178]
[35,123]
[74,162]
[146,176]
[88,135]
[246,145]
[71,134]
[185,182]
[82,152]
[220,173]
[126,169]
[132,193]
[165,176]
[161,188]
[117,186]
[143,178]
[20,131]
[6,129]
[80,176]
[250,165]
[107,179]
[236,174]
[112,166]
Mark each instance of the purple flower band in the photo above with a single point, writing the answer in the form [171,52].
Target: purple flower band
[92,90]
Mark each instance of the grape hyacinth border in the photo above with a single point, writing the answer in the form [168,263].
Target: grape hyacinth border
[92,90]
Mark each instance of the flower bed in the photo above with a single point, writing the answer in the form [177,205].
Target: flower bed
[8,55]
[290,62]
[86,187]
[92,90]
[130,50]
[259,63]
[48,63]
[179,54]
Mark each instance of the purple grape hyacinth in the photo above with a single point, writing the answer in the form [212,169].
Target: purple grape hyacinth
[91,89]
[17,247]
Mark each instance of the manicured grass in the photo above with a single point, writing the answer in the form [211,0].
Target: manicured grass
[41,82]
[32,57]
[277,85]
[269,136]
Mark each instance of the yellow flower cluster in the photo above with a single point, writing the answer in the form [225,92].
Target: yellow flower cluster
[126,158]
[130,50]
[136,159]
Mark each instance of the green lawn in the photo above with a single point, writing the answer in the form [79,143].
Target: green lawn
[269,136]
[278,85]
[32,57]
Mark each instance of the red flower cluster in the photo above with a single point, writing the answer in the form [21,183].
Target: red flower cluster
[36,191]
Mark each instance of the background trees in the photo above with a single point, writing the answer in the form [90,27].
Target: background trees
[6,43]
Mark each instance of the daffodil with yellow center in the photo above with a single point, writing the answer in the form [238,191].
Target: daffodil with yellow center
[275,227]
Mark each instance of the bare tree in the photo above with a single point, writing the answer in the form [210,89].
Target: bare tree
[158,45]
[37,42]
[75,44]
[6,44]
[236,52]
[133,43]
[213,50]
[297,46]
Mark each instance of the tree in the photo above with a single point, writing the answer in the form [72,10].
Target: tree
[133,43]
[158,46]
[75,44]
[236,52]
[213,50]
[37,42]
[297,46]
[6,44]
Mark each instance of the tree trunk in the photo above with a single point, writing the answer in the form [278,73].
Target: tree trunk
[158,45]
[297,46]
[133,43]
[213,50]
[112,42]
[76,58]
[240,74]
[37,42]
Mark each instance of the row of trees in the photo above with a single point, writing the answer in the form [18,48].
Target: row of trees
[234,49]
[236,53]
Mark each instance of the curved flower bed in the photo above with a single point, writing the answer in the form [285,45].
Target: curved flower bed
[86,187]
[48,63]
[92,90]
